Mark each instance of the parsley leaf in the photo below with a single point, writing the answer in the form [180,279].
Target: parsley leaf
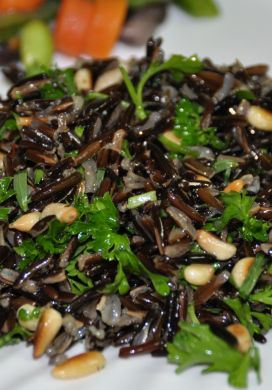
[196,344]
[61,84]
[225,165]
[184,65]
[187,131]
[17,334]
[21,190]
[187,126]
[263,296]
[97,231]
[243,313]
[9,125]
[5,191]
[79,282]
[237,208]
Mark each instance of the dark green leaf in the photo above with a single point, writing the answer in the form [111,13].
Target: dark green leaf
[9,125]
[253,275]
[17,334]
[243,313]
[5,191]
[4,212]
[263,296]
[195,344]
[20,188]
[199,8]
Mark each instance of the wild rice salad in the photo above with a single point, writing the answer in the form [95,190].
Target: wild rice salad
[136,212]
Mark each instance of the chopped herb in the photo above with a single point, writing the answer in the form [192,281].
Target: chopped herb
[196,344]
[21,190]
[225,165]
[4,212]
[28,315]
[5,191]
[243,313]
[185,65]
[79,130]
[187,126]
[92,95]
[238,206]
[245,94]
[97,230]
[263,296]
[139,200]
[9,125]
[38,175]
[17,334]
[79,282]
[125,152]
[61,84]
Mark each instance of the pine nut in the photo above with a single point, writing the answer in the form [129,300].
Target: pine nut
[240,270]
[213,245]
[260,118]
[242,335]
[107,79]
[80,365]
[198,274]
[236,185]
[31,324]
[48,327]
[63,212]
[26,222]
[83,79]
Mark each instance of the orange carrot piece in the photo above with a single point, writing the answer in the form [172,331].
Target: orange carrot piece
[72,23]
[105,27]
[19,5]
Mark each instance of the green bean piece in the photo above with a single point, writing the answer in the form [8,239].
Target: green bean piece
[199,8]
[36,46]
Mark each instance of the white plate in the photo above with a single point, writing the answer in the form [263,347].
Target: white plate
[244,31]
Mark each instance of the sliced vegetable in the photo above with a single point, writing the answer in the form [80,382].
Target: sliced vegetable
[20,188]
[105,27]
[139,200]
[71,25]
[36,47]
[253,275]
[200,8]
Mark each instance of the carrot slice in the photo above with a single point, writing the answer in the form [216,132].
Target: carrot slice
[19,5]
[105,27]
[71,25]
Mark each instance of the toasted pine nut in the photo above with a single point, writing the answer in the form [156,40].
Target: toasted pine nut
[203,178]
[26,222]
[242,335]
[236,185]
[31,324]
[260,118]
[107,79]
[216,247]
[83,79]
[62,211]
[198,274]
[240,270]
[2,156]
[80,365]
[23,121]
[48,327]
